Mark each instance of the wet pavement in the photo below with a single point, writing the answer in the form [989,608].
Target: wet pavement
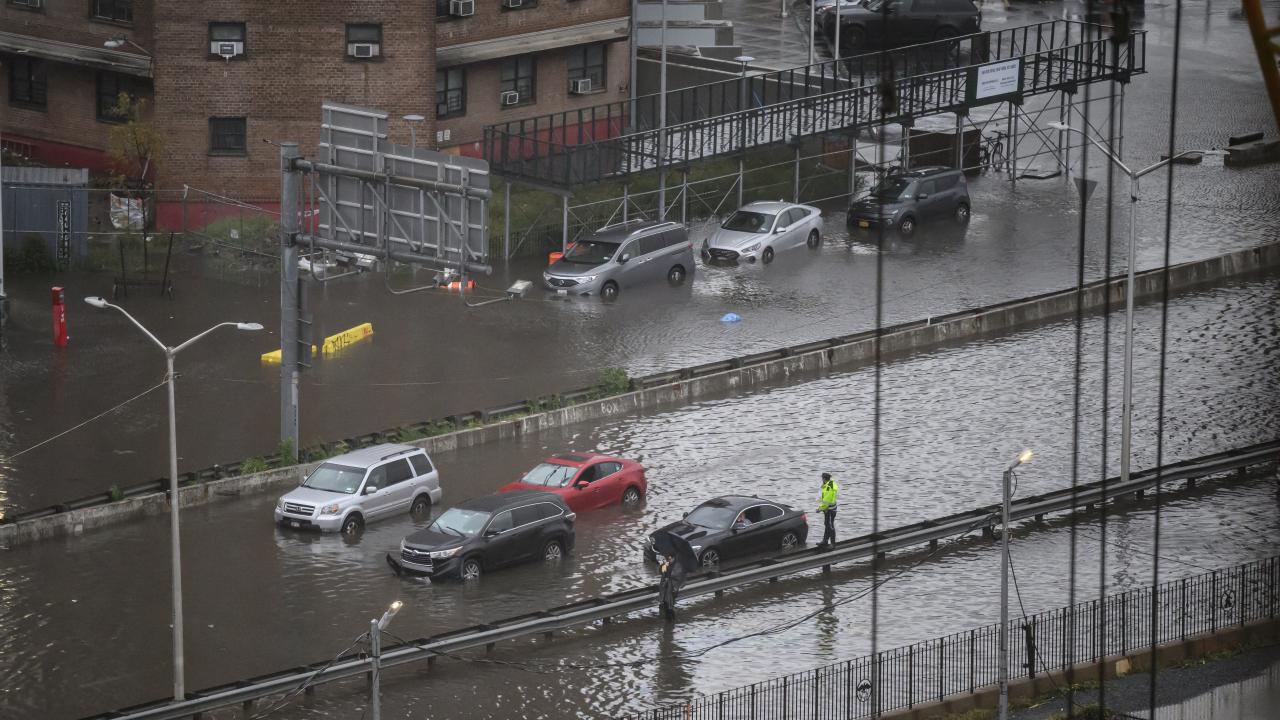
[259,599]
[431,356]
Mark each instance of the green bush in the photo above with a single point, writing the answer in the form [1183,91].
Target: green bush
[611,381]
[253,465]
[32,257]
[407,434]
[286,452]
[116,493]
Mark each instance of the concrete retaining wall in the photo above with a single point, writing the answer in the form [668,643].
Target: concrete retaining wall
[1261,633]
[679,387]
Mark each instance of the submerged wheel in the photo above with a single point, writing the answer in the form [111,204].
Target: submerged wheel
[766,257]
[710,557]
[789,541]
[421,506]
[353,525]
[470,570]
[631,496]
[907,227]
[609,292]
[962,213]
[675,275]
[814,240]
[553,551]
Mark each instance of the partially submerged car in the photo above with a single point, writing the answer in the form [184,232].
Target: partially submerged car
[734,526]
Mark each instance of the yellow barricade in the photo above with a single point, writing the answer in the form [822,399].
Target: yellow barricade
[332,344]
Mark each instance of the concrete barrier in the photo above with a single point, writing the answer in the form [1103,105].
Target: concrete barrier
[679,387]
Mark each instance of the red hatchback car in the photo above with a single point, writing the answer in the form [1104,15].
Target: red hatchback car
[586,481]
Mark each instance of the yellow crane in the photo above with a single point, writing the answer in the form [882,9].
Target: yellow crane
[1267,42]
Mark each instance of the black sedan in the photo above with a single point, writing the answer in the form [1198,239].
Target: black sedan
[735,526]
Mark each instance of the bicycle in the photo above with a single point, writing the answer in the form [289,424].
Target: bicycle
[991,154]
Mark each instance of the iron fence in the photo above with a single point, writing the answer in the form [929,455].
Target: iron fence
[931,670]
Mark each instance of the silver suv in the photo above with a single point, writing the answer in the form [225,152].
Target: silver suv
[349,490]
[906,198]
[622,256]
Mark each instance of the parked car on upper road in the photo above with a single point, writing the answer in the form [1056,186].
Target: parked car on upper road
[586,481]
[349,490]
[893,23]
[734,526]
[907,198]
[623,256]
[487,533]
[759,229]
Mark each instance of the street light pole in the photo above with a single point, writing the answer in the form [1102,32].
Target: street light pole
[1004,584]
[1126,412]
[413,121]
[179,673]
[375,653]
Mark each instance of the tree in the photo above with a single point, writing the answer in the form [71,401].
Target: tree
[133,144]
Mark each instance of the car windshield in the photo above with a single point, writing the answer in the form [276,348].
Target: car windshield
[549,475]
[891,189]
[335,478]
[747,221]
[711,516]
[457,521]
[874,5]
[591,252]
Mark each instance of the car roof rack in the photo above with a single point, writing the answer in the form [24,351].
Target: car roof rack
[398,452]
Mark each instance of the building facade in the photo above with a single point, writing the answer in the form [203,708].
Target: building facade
[225,79]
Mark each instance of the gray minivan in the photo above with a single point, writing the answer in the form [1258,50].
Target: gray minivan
[906,198]
[348,490]
[623,256]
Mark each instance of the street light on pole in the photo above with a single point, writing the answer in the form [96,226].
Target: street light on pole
[375,653]
[1126,414]
[116,43]
[1004,583]
[413,121]
[179,692]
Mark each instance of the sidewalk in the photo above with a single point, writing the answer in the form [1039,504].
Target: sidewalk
[1245,686]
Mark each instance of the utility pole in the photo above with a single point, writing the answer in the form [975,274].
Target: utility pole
[662,120]
[1004,585]
[290,183]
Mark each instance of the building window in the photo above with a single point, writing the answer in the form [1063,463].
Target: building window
[227,136]
[442,8]
[518,77]
[451,92]
[120,11]
[37,5]
[364,42]
[587,62]
[27,83]
[110,87]
[517,4]
[226,39]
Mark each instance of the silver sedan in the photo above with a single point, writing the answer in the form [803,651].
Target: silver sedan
[759,229]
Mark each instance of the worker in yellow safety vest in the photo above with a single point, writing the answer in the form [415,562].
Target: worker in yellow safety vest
[827,506]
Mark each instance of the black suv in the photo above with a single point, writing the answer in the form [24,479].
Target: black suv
[893,23]
[903,199]
[486,533]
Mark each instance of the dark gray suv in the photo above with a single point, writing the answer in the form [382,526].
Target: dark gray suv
[904,199]
[623,256]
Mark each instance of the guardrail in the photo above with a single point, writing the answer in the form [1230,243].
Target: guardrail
[606,607]
[929,671]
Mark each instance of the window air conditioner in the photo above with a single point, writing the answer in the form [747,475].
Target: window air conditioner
[362,50]
[510,97]
[226,50]
[462,8]
[580,86]
[512,3]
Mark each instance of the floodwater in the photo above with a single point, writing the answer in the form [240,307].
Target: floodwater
[431,356]
[260,599]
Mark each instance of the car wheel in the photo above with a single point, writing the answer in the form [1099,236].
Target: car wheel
[421,506]
[470,570]
[353,526]
[675,275]
[789,541]
[814,240]
[609,292]
[710,557]
[553,551]
[907,227]
[962,213]
[766,257]
[631,496]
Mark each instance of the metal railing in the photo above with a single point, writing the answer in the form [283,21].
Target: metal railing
[929,671]
[707,582]
[732,115]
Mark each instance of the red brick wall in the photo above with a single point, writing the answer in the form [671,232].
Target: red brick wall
[69,21]
[491,21]
[552,90]
[295,59]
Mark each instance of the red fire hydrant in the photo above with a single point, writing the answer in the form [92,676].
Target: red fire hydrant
[59,318]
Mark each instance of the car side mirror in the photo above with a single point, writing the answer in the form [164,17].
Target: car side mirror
[580,484]
[492,533]
[623,258]
[922,196]
[370,489]
[733,531]
[682,517]
[778,231]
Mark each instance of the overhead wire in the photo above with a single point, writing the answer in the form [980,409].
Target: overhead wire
[73,428]
[309,680]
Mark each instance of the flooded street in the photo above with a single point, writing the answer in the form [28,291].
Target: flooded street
[95,606]
[431,356]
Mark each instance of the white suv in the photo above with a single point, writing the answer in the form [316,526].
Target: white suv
[372,483]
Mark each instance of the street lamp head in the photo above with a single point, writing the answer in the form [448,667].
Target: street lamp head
[114,43]
[390,613]
[96,302]
[1025,456]
[744,59]
[1055,125]
[414,118]
[248,326]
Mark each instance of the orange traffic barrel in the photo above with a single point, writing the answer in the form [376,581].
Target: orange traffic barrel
[455,285]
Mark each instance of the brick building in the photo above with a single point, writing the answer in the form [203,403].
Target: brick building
[222,76]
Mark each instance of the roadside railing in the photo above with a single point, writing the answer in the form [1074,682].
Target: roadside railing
[929,671]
